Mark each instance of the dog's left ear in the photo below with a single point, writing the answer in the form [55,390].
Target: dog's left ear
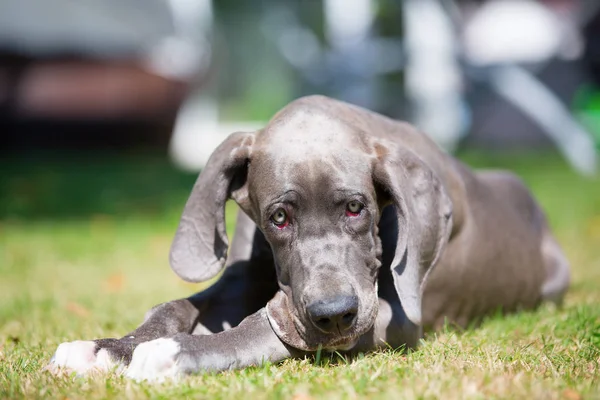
[424,212]
[199,249]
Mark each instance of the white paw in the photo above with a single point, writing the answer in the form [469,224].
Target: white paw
[80,357]
[154,361]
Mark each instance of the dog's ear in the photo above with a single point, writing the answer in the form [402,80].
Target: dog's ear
[199,250]
[424,213]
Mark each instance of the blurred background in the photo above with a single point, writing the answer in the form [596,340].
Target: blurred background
[108,109]
[177,76]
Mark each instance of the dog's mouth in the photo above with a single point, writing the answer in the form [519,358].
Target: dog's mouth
[314,338]
[298,332]
[341,345]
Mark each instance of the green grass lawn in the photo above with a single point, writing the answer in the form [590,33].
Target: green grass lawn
[83,254]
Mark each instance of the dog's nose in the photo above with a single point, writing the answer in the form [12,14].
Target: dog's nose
[333,315]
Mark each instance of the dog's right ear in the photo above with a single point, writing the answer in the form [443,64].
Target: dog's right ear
[424,212]
[199,250]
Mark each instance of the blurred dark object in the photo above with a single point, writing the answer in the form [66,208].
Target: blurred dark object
[76,102]
[592,47]
[91,74]
[497,124]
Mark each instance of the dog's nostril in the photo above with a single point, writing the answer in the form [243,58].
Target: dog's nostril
[347,321]
[348,317]
[324,323]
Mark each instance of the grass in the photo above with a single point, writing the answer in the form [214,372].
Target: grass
[83,254]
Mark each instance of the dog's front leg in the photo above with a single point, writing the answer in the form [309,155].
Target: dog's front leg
[164,320]
[252,342]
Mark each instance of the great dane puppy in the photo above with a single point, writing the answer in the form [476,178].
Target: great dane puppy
[344,214]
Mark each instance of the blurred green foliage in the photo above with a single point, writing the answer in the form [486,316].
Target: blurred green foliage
[56,187]
[67,187]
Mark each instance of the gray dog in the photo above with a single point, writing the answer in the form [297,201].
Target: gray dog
[345,215]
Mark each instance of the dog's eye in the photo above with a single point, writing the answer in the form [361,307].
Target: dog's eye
[280,218]
[353,208]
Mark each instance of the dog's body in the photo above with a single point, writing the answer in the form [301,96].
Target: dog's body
[344,214]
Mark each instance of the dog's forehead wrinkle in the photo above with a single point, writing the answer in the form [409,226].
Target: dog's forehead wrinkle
[316,180]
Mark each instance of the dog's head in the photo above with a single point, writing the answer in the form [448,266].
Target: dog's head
[315,184]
